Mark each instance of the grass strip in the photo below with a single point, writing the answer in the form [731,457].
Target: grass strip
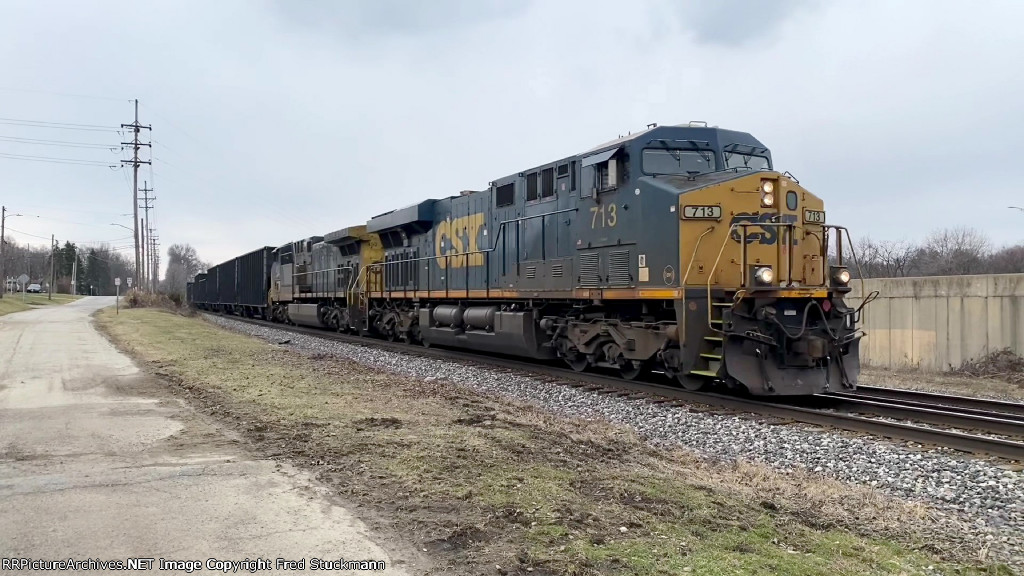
[490,486]
[12,303]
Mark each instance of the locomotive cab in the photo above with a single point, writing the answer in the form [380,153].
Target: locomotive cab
[762,307]
[741,251]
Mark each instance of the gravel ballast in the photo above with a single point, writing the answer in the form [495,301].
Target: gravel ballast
[987,499]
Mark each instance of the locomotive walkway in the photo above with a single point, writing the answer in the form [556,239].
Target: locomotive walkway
[97,461]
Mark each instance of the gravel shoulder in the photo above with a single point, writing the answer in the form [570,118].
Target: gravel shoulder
[491,484]
[943,383]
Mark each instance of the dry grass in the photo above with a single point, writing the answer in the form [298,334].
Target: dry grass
[171,302]
[12,303]
[490,486]
[1002,364]
[943,383]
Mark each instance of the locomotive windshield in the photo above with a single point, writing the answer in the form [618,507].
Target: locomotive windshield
[671,162]
[750,161]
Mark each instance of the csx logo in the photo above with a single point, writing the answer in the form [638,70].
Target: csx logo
[761,234]
[459,236]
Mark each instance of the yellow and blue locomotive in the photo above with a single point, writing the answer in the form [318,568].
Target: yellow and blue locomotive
[677,249]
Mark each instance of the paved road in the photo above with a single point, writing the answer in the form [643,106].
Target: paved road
[98,461]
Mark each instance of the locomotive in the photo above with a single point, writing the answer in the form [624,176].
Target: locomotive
[676,249]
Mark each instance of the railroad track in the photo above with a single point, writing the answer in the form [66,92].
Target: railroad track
[844,411]
[938,412]
[978,405]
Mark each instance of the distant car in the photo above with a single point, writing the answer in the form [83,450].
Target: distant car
[35,288]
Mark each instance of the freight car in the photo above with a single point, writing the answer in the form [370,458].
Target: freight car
[677,249]
[239,286]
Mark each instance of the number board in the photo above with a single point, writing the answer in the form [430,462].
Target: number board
[814,216]
[702,212]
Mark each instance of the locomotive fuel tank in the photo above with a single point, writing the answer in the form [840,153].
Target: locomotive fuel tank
[448,315]
[481,317]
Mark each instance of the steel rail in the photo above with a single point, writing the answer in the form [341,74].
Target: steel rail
[965,402]
[927,413]
[960,441]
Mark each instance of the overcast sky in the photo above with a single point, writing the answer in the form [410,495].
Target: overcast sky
[278,120]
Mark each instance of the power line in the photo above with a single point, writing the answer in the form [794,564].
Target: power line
[58,127]
[175,126]
[9,229]
[110,241]
[53,160]
[51,93]
[63,143]
[63,209]
[62,220]
[60,124]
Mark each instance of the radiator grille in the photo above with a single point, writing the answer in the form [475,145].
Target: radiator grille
[590,270]
[618,268]
[531,272]
[556,270]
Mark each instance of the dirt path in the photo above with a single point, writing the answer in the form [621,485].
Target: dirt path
[97,460]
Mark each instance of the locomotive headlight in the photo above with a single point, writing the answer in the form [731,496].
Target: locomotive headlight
[764,275]
[840,275]
[767,193]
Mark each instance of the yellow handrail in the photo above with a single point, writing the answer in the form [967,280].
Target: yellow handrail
[714,270]
[682,331]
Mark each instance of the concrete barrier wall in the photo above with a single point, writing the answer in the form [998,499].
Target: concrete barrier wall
[938,322]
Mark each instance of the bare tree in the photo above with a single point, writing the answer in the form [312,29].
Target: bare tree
[175,279]
[867,257]
[186,256]
[895,257]
[183,264]
[953,251]
[1007,260]
[885,258]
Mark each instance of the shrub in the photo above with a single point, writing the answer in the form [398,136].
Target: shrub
[172,302]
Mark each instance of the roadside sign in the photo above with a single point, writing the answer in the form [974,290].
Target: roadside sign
[129,281]
[117,281]
[23,279]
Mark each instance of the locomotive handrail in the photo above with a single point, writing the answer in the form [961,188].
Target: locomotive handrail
[464,255]
[316,274]
[686,276]
[839,252]
[743,258]
[791,226]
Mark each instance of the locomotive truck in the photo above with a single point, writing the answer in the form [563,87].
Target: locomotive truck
[677,249]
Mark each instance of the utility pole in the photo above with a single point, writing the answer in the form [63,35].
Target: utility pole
[147,203]
[145,269]
[53,268]
[155,252]
[135,162]
[3,242]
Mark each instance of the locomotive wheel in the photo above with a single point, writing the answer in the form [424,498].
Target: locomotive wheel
[577,361]
[578,364]
[691,383]
[632,369]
